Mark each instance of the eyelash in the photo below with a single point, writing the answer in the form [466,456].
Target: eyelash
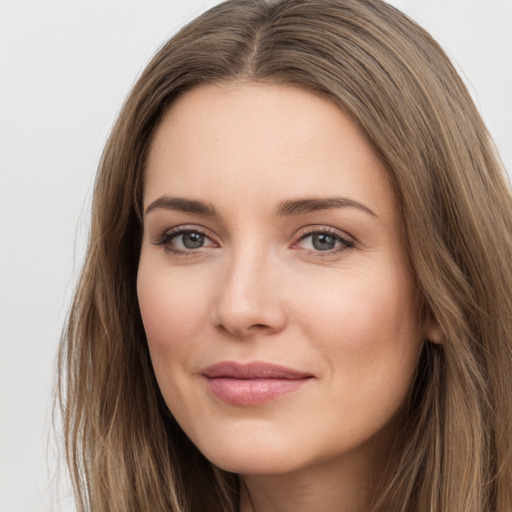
[168,236]
[346,243]
[165,241]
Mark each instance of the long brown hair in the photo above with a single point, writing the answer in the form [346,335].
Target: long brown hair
[124,449]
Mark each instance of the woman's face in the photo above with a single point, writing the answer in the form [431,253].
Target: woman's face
[279,308]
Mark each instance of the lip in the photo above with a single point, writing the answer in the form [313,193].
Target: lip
[252,383]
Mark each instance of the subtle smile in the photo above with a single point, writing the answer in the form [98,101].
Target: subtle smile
[253,383]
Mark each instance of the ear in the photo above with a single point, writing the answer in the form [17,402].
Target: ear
[433,332]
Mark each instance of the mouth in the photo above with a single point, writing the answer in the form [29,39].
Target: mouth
[253,383]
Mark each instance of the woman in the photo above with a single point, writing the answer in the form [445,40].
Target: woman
[297,289]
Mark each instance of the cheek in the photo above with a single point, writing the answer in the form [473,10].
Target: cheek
[366,331]
[173,308]
[366,324]
[359,310]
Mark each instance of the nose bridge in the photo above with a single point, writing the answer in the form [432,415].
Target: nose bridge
[249,298]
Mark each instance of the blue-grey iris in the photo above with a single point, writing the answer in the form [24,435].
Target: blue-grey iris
[193,240]
[323,242]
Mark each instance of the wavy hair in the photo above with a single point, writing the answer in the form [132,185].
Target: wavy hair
[124,449]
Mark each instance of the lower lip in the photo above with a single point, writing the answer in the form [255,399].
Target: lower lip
[251,391]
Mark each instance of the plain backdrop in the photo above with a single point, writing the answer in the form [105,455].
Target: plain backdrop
[65,69]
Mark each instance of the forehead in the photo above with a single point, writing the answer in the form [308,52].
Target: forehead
[253,143]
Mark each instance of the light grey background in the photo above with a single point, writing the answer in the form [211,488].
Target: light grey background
[65,69]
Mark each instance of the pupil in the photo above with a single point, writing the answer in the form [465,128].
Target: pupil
[323,242]
[193,240]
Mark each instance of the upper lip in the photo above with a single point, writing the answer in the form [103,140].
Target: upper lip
[252,370]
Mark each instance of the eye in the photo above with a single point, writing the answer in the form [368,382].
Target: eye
[324,241]
[181,240]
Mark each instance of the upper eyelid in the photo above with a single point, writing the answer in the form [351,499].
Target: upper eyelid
[180,230]
[186,228]
[326,229]
[345,237]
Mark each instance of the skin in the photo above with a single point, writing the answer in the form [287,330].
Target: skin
[259,289]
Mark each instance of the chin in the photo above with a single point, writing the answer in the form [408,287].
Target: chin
[251,454]
[249,464]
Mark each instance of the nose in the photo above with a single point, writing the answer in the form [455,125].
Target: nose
[250,299]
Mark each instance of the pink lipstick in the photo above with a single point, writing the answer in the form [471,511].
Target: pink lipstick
[253,383]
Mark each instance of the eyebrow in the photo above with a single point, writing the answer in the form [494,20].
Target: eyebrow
[308,205]
[286,208]
[183,205]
